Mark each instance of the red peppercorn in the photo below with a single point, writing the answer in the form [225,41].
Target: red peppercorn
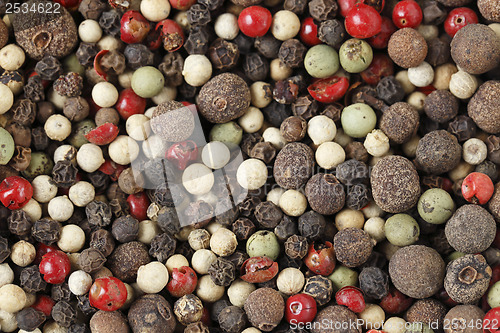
[491,321]
[134,27]
[55,266]
[346,5]
[154,39]
[108,294]
[328,90]
[182,153]
[138,204]
[363,21]
[477,188]
[407,14]
[395,302]
[459,18]
[172,35]
[182,282]
[258,270]
[44,303]
[320,258]
[182,4]
[97,65]
[69,4]
[300,308]
[112,169]
[41,250]
[15,192]
[380,67]
[495,275]
[103,135]
[380,40]
[351,297]
[130,103]
[309,32]
[427,89]
[443,296]
[255,21]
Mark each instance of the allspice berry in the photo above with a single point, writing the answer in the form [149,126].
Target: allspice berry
[172,121]
[427,311]
[490,9]
[441,106]
[438,152]
[461,314]
[151,313]
[325,194]
[400,122]
[293,165]
[471,229]
[476,49]
[484,107]
[53,34]
[407,48]
[109,322]
[417,271]
[353,246]
[494,203]
[395,184]
[265,308]
[4,34]
[126,260]
[467,278]
[335,316]
[225,97]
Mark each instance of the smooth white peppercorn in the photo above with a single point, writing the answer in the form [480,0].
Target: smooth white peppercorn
[89,31]
[373,317]
[199,239]
[402,77]
[410,147]
[416,99]
[6,98]
[290,281]
[167,93]
[44,188]
[57,127]
[81,193]
[395,325]
[60,208]
[213,226]
[329,155]
[65,152]
[442,76]
[198,179]
[215,155]
[349,218]
[260,94]
[285,25]
[6,274]
[33,210]
[89,157]
[422,75]
[377,143]
[137,127]
[56,99]
[278,70]
[123,150]
[238,292]
[252,174]
[273,135]
[463,85]
[183,234]
[22,253]
[53,327]
[12,57]
[321,129]
[226,26]
[474,151]
[182,20]
[125,79]
[208,291]
[79,282]
[13,298]
[293,203]
[71,239]
[154,147]
[197,70]
[155,10]
[147,231]
[223,242]
[176,261]
[110,43]
[37,330]
[8,321]
[131,296]
[252,120]
[275,194]
[105,94]
[251,330]
[152,277]
[460,171]
[342,138]
[202,259]
[429,32]
[374,226]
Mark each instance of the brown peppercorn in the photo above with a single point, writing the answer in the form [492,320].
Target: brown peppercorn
[91,260]
[111,322]
[232,319]
[49,68]
[20,133]
[171,67]
[467,278]
[61,292]
[332,32]
[64,173]
[34,89]
[172,121]
[264,151]
[417,271]
[439,51]
[395,184]
[293,165]
[110,22]
[24,112]
[113,63]
[19,223]
[441,106]
[63,313]
[323,9]
[197,327]
[86,53]
[4,249]
[103,241]
[198,40]
[151,313]
[243,228]
[84,306]
[129,182]
[293,128]
[199,214]
[489,9]
[325,194]
[223,54]
[428,311]
[52,34]
[400,122]
[21,159]
[125,229]
[249,140]
[356,150]
[312,225]
[31,280]
[45,110]
[296,247]
[471,229]
[438,152]
[463,127]
[29,319]
[476,49]
[126,260]
[92,9]
[292,53]
[46,231]
[198,14]
[188,309]
[79,328]
[353,246]
[460,315]
[305,107]
[407,48]
[335,316]
[484,107]
[76,108]
[267,45]
[295,6]
[265,308]
[222,272]
[268,215]
[275,113]
[107,115]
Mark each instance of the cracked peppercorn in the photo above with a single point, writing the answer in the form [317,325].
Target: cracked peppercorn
[162,247]
[243,228]
[319,287]
[222,272]
[296,247]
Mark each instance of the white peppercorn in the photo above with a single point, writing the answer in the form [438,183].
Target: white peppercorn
[22,253]
[260,93]
[155,10]
[198,179]
[57,127]
[167,93]
[275,194]
[293,203]
[53,327]
[56,99]
[89,157]
[474,151]
[71,239]
[152,277]
[110,43]
[147,231]
[82,193]
[321,129]
[208,291]
[252,120]
[44,188]
[197,70]
[60,208]
[463,85]
[251,330]
[89,31]
[33,210]
[79,282]
[290,281]
[226,26]
[395,325]
[6,274]
[377,143]
[176,261]
[428,31]
[285,25]
[13,298]
[374,226]
[278,70]
[329,155]
[410,147]
[6,98]
[65,152]
[199,239]
[123,150]
[202,259]
[273,135]
[8,321]
[12,57]
[125,78]
[402,78]
[153,147]
[442,76]
[349,218]
[252,174]
[238,292]
[223,242]
[416,99]
[137,127]
[422,75]
[215,155]
[373,317]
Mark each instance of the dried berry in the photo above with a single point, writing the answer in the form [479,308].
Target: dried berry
[293,165]
[85,54]
[325,194]
[358,196]
[162,247]
[168,221]
[63,314]
[91,260]
[268,214]
[110,23]
[332,32]
[243,228]
[98,213]
[157,310]
[374,282]
[286,228]
[69,85]
[312,225]
[463,127]
[19,223]
[31,280]
[293,128]
[46,231]
[4,249]
[79,328]
[223,54]
[64,173]
[319,287]
[34,89]
[125,229]
[264,151]
[103,241]
[222,272]
[24,112]
[467,278]
[256,67]
[29,319]
[427,311]
[198,14]
[438,52]
[323,9]
[232,319]
[92,9]
[84,305]
[138,55]
[296,247]
[275,113]
[188,309]
[390,90]
[61,292]
[400,122]
[292,53]
[198,40]
[438,152]
[171,67]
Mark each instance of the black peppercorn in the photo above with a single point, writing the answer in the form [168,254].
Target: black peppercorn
[162,247]
[325,194]
[286,228]
[232,319]
[312,225]
[46,231]
[293,165]
[110,23]
[84,306]
[21,134]
[268,46]
[91,260]
[441,106]
[433,12]
[113,63]
[488,168]
[296,247]
[34,89]
[198,14]
[243,228]
[292,53]
[125,229]
[438,52]
[138,55]
[19,223]
[264,151]
[319,287]
[222,272]
[168,220]
[268,214]
[237,258]
[374,282]
[332,32]
[199,214]
[305,107]
[223,54]
[249,140]
[293,128]
[285,91]
[126,260]
[64,173]
[353,246]
[463,127]
[358,196]
[85,54]
[31,280]
[24,112]
[256,67]
[61,292]
[98,213]
[49,68]
[197,327]
[188,91]
[99,180]
[29,319]
[92,9]
[188,309]
[171,67]
[198,40]
[63,314]
[390,90]
[275,113]
[79,328]
[4,249]
[323,9]
[225,212]
[217,307]
[103,241]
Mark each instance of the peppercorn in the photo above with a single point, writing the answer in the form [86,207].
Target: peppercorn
[34,90]
[463,314]
[265,308]
[29,319]
[305,107]
[222,272]
[312,225]
[335,316]
[19,223]
[46,231]
[471,229]
[102,240]
[296,247]
[286,228]
[438,52]
[85,54]
[256,67]
[188,309]
[374,282]
[64,173]
[390,90]
[332,33]
[98,213]
[31,280]
[63,313]
[225,212]
[197,327]
[91,260]
[264,151]
[407,48]
[223,54]
[427,311]
[323,9]
[353,246]
[268,46]
[61,292]
[325,194]
[433,13]
[168,221]
[198,40]
[92,9]
[198,14]
[268,215]
[417,271]
[126,260]
[358,196]
[111,321]
[292,53]
[463,127]
[4,249]
[110,22]
[293,128]
[79,328]
[293,165]
[232,319]
[84,306]
[400,122]
[482,107]
[162,247]
[488,168]
[70,85]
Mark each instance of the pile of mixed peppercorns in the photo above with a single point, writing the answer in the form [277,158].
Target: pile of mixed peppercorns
[250,166]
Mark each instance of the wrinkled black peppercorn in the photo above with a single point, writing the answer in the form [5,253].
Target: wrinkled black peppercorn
[264,151]
[98,213]
[49,68]
[198,14]
[374,282]
[92,9]
[46,231]
[162,247]
[232,319]
[84,305]
[323,9]
[85,54]
[125,229]
[79,328]
[103,241]
[319,287]
[110,23]
[198,40]
[29,319]
[34,89]
[268,46]
[463,127]
[332,32]
[390,90]
[222,272]
[19,223]
[64,173]
[256,67]
[91,260]
[243,228]
[138,55]
[286,228]
[223,54]
[296,247]
[352,172]
[292,53]
[31,280]
[305,107]
[61,292]
[358,196]
[312,225]
[268,214]
[4,249]
[63,313]
[275,113]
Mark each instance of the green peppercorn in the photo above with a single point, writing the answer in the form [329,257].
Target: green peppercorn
[418,328]
[358,120]
[494,295]
[230,133]
[343,276]
[71,64]
[401,230]
[263,243]
[7,146]
[321,61]
[435,206]
[77,137]
[147,81]
[355,55]
[41,164]
[454,255]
